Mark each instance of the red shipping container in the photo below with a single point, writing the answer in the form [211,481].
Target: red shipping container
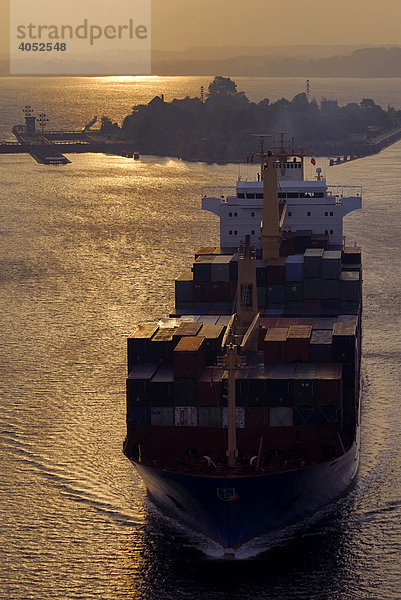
[219,291]
[257,416]
[298,339]
[329,384]
[275,272]
[189,357]
[320,240]
[287,244]
[210,387]
[202,291]
[275,345]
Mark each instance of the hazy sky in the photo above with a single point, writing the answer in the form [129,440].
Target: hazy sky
[182,23]
[177,24]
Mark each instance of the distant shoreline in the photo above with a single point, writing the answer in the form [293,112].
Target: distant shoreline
[220,124]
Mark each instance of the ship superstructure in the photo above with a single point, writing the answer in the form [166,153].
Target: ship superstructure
[311,205]
[243,404]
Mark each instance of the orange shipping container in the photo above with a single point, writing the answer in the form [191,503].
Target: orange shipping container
[189,357]
[298,339]
[275,344]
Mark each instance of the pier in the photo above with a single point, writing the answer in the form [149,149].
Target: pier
[373,145]
[49,148]
[55,144]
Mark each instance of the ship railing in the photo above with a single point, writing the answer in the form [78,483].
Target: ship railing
[219,191]
[345,190]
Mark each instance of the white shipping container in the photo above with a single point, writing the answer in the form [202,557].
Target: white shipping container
[162,415]
[281,416]
[186,416]
[239,416]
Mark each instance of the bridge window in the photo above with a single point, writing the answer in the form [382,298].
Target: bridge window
[235,232]
[252,214]
[305,195]
[326,231]
[331,231]
[253,232]
[235,214]
[259,196]
[289,213]
[326,214]
[230,214]
[292,195]
[250,196]
[331,214]
[318,195]
[230,232]
[282,195]
[240,195]
[309,214]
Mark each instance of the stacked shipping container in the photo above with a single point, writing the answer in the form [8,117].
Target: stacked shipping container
[307,370]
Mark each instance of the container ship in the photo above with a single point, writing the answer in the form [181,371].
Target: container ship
[243,405]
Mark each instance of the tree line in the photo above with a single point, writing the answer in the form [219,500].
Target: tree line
[220,126]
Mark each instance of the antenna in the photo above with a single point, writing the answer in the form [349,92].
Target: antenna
[27,110]
[307,89]
[262,154]
[202,94]
[42,120]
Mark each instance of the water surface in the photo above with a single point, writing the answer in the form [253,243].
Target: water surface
[89,250]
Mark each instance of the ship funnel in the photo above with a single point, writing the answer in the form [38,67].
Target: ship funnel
[270,232]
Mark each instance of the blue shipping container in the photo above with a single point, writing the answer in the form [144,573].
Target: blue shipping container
[294,268]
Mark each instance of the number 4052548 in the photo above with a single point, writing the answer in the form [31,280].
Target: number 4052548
[42,47]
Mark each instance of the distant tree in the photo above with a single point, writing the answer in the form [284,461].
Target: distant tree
[300,100]
[108,127]
[367,103]
[328,106]
[221,128]
[222,85]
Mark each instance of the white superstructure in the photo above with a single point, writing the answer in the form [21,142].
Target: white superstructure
[310,205]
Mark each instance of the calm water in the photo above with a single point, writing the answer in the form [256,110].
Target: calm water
[86,252]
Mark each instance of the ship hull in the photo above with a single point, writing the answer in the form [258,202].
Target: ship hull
[235,510]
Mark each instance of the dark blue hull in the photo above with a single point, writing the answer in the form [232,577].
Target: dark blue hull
[235,510]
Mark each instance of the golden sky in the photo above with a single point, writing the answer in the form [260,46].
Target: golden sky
[183,23]
[177,24]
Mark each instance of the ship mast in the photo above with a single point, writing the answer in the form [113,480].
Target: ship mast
[232,450]
[270,232]
[241,334]
[262,153]
[247,300]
